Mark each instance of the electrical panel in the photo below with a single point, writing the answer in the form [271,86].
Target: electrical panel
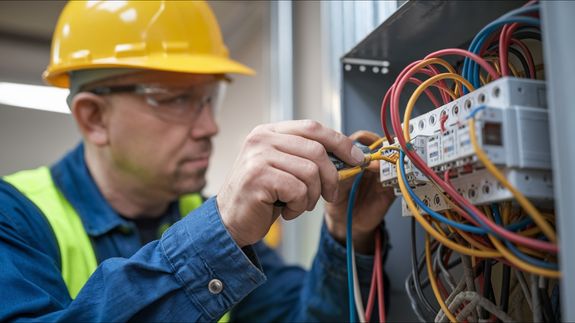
[489,192]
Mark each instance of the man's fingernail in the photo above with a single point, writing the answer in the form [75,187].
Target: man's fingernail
[357,155]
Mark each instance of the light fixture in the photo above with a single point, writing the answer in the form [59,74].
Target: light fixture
[37,97]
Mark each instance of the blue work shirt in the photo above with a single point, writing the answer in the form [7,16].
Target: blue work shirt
[166,279]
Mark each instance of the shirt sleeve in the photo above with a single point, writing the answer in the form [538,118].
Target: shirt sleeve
[292,294]
[195,272]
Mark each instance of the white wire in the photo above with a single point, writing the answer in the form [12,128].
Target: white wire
[356,289]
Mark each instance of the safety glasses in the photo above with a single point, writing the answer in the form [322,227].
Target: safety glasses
[174,104]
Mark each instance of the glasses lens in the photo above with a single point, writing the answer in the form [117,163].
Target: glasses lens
[184,105]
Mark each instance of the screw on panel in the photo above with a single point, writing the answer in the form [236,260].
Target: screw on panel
[496,92]
[481,98]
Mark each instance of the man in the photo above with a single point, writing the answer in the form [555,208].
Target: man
[88,240]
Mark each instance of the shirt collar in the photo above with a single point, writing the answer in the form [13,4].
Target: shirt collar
[73,179]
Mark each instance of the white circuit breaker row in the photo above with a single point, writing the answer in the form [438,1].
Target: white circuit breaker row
[512,128]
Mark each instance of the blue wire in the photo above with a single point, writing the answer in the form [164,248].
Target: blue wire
[517,252]
[348,241]
[470,67]
[461,226]
[482,35]
[474,111]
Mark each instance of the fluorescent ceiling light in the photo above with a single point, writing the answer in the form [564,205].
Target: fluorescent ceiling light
[38,97]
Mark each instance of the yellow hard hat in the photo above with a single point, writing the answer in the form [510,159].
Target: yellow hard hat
[177,36]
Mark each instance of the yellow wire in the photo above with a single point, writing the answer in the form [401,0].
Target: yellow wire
[389,148]
[389,159]
[348,172]
[452,94]
[427,227]
[422,87]
[521,264]
[433,282]
[467,237]
[438,61]
[524,202]
[376,143]
[495,63]
[506,212]
[516,261]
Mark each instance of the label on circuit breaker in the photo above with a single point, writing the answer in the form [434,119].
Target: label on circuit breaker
[448,145]
[387,170]
[464,140]
[433,150]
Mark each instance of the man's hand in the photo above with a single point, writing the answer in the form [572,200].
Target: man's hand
[284,161]
[371,203]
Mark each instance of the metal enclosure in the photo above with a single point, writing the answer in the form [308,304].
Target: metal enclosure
[420,27]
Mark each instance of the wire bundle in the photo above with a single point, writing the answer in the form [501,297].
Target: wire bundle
[503,236]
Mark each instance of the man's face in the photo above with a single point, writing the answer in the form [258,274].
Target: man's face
[153,140]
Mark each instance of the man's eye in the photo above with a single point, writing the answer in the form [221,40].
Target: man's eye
[178,99]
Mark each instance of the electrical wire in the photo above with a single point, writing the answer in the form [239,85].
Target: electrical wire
[428,228]
[444,271]
[415,274]
[349,247]
[356,289]
[470,71]
[505,285]
[433,282]
[380,282]
[518,253]
[475,300]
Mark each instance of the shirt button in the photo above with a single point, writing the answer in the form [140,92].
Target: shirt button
[215,286]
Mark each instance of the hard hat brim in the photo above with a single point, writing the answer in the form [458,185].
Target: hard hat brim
[194,64]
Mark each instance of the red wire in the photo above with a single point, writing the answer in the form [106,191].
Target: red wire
[377,283]
[418,162]
[372,289]
[527,55]
[504,40]
[380,283]
[442,289]
[442,121]
[383,113]
[442,86]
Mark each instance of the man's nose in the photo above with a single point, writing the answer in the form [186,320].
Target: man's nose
[205,125]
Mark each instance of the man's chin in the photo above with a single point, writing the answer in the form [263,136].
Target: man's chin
[191,185]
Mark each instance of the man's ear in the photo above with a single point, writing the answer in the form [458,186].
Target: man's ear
[92,114]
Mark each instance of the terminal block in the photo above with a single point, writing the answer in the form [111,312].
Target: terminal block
[388,173]
[512,128]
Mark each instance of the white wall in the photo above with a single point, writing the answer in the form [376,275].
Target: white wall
[247,101]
